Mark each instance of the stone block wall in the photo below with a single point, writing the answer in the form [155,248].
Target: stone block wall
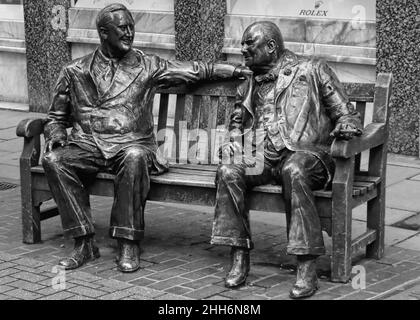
[398,44]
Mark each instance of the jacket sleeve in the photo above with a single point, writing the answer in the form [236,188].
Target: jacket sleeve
[334,98]
[59,110]
[168,73]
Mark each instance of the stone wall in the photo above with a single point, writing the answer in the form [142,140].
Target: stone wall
[398,46]
[47,50]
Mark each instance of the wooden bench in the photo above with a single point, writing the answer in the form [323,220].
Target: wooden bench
[205,107]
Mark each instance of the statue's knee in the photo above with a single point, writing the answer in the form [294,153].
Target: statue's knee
[50,159]
[227,172]
[135,154]
[292,170]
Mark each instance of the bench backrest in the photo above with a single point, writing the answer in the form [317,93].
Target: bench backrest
[191,121]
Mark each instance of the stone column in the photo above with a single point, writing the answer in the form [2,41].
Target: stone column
[46,24]
[199,29]
[397,52]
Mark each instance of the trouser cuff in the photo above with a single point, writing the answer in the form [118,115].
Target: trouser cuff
[79,231]
[233,242]
[126,233]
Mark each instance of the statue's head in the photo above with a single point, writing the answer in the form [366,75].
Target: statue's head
[115,26]
[262,44]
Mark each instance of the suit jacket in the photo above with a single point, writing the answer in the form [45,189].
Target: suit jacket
[120,115]
[308,102]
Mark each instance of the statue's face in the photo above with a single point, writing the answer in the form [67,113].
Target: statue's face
[255,48]
[120,33]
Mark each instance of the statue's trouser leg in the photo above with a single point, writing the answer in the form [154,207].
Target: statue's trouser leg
[64,168]
[131,186]
[231,220]
[301,174]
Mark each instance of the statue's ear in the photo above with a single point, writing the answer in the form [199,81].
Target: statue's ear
[272,45]
[103,33]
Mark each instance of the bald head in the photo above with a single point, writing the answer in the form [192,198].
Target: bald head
[262,46]
[269,31]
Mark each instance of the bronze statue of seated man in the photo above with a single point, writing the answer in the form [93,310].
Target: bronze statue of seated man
[299,105]
[107,97]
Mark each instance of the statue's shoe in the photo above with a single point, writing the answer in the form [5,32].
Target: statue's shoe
[239,269]
[84,251]
[306,280]
[128,259]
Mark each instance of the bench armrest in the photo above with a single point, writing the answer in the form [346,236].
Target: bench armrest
[31,127]
[373,135]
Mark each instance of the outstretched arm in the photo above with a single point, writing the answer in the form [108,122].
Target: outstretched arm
[341,111]
[171,73]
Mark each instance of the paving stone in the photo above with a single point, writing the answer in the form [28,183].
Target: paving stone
[127,277]
[234,294]
[142,282]
[22,284]
[218,297]
[5,288]
[167,264]
[170,296]
[163,275]
[6,265]
[393,282]
[412,243]
[28,262]
[178,290]
[377,276]
[28,276]
[79,297]
[270,281]
[23,294]
[358,295]
[6,280]
[58,296]
[116,295]
[87,292]
[323,296]
[171,282]
[201,273]
[403,266]
[279,289]
[196,284]
[138,297]
[26,269]
[113,284]
[84,283]
[206,292]
[145,291]
[404,196]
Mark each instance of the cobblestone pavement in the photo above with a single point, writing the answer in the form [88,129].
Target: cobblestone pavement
[177,261]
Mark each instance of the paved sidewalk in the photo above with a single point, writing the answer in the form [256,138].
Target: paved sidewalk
[177,261]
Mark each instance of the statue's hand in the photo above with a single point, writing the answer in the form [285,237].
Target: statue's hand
[230,149]
[345,131]
[53,143]
[242,72]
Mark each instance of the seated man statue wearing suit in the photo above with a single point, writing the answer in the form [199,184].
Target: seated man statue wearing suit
[107,97]
[300,106]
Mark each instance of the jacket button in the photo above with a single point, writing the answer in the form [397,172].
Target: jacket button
[287,72]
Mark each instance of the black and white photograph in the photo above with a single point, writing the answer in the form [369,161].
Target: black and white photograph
[209,157]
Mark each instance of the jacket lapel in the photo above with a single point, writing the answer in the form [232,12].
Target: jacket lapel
[128,70]
[287,71]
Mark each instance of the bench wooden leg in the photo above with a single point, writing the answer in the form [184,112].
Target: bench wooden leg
[376,207]
[31,223]
[341,220]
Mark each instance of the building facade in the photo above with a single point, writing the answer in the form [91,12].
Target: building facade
[357,38]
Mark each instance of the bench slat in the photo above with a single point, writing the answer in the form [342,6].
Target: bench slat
[183,176]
